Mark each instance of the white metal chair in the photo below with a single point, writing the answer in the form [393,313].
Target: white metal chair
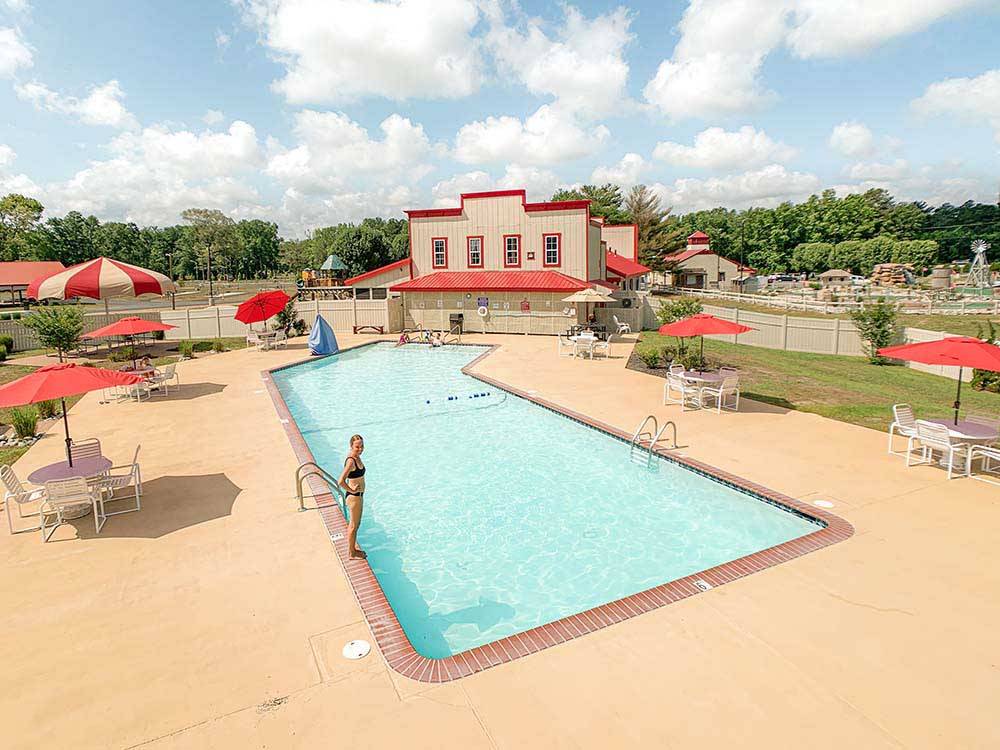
[931,437]
[678,390]
[723,393]
[131,477]
[163,378]
[601,347]
[903,424]
[63,494]
[622,327]
[676,368]
[16,494]
[990,470]
[567,347]
[584,343]
[280,339]
[253,339]
[89,448]
[728,371]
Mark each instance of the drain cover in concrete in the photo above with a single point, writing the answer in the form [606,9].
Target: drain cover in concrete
[356,649]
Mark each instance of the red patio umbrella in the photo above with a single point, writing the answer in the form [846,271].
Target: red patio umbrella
[127,328]
[702,325]
[954,351]
[60,381]
[262,306]
[100,278]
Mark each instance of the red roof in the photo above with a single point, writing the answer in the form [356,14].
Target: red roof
[424,213]
[699,236]
[492,281]
[682,255]
[619,265]
[23,272]
[377,271]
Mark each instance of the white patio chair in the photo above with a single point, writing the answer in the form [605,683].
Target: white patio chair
[163,377]
[567,347]
[63,494]
[728,390]
[678,390]
[622,327]
[16,494]
[931,437]
[280,339]
[601,347]
[88,448]
[253,339]
[676,368]
[117,479]
[728,371]
[584,343]
[903,424]
[990,457]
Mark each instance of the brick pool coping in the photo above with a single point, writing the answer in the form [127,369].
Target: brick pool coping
[392,641]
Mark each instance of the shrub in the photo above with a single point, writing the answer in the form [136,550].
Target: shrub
[47,409]
[158,335]
[218,346]
[986,380]
[876,324]
[3,352]
[58,327]
[8,342]
[300,327]
[678,309]
[286,318]
[650,356]
[186,349]
[202,346]
[24,420]
[125,354]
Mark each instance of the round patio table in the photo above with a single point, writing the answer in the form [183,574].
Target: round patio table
[703,376]
[142,372]
[82,467]
[969,432]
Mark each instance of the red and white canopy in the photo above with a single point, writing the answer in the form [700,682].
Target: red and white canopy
[99,279]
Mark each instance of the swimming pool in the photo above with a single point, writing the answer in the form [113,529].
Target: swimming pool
[487,515]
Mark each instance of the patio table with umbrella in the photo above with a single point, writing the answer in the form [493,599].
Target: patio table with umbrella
[101,278]
[59,382]
[953,351]
[128,328]
[261,307]
[702,325]
[588,296]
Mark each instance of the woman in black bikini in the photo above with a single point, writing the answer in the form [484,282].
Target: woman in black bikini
[352,479]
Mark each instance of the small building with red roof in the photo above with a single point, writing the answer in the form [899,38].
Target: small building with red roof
[697,266]
[15,276]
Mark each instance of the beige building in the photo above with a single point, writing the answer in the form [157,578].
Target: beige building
[699,267]
[505,264]
[835,277]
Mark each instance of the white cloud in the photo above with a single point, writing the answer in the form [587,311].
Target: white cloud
[213,117]
[716,65]
[7,155]
[852,139]
[582,64]
[538,184]
[298,213]
[548,136]
[878,171]
[715,148]
[222,39]
[16,6]
[339,50]
[763,187]
[625,173]
[334,152]
[13,183]
[102,105]
[969,99]
[14,52]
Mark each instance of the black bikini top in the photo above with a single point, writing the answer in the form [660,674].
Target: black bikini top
[356,472]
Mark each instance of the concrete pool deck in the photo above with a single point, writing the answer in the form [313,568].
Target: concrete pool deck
[215,617]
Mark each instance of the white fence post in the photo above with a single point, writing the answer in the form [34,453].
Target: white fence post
[188,316]
[784,332]
[218,323]
[836,335]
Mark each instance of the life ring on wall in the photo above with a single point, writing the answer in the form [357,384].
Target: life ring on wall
[627,302]
[483,311]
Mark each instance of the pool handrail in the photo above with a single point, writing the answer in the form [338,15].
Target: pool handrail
[311,468]
[654,435]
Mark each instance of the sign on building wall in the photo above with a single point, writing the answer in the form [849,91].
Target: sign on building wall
[483,302]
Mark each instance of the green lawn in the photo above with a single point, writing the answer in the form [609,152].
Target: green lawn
[845,388]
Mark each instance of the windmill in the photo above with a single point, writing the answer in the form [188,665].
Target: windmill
[979,272]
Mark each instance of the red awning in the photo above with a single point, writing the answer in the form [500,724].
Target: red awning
[619,265]
[492,281]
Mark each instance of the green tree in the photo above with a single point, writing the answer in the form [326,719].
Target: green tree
[605,200]
[876,324]
[214,239]
[811,257]
[70,239]
[122,242]
[659,233]
[260,245]
[19,216]
[58,327]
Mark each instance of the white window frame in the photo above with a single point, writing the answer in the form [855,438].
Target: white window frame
[557,250]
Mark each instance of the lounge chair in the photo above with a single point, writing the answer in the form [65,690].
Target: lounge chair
[903,424]
[727,390]
[678,390]
[163,377]
[63,494]
[931,437]
[122,477]
[622,327]
[16,494]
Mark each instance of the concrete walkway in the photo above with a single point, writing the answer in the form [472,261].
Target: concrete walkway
[215,617]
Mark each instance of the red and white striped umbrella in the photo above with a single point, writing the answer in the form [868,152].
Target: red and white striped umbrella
[100,278]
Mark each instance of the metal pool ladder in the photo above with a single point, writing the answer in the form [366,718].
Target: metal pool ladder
[654,435]
[309,469]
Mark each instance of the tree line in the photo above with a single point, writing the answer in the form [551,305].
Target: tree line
[825,231]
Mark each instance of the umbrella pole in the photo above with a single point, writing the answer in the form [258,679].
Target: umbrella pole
[69,453]
[106,306]
[701,355]
[958,395]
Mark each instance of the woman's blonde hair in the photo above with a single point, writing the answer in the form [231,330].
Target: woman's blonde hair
[355,437]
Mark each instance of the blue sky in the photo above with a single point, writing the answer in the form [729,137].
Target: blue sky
[310,112]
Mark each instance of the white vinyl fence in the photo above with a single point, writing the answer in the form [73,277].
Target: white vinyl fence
[24,337]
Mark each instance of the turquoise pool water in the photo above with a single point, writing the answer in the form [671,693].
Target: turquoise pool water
[490,515]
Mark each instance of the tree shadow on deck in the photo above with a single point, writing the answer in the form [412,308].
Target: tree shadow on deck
[188,391]
[169,503]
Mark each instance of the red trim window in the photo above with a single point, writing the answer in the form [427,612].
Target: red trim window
[551,249]
[512,251]
[439,252]
[474,251]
